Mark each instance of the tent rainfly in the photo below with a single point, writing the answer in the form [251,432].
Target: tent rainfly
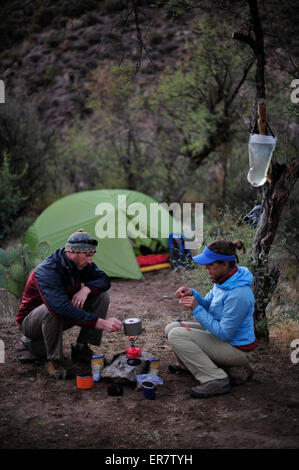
[118,219]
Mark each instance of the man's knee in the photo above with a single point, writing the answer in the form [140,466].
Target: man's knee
[105,297]
[104,300]
[34,322]
[99,304]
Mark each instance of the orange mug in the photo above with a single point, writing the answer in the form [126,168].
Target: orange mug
[84,382]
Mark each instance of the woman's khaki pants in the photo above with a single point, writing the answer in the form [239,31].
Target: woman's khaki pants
[44,332]
[201,352]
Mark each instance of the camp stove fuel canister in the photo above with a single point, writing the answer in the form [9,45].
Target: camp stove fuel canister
[133,352]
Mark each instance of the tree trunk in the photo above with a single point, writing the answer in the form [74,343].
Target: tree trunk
[275,192]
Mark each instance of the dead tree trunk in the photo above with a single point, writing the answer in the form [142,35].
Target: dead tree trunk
[275,192]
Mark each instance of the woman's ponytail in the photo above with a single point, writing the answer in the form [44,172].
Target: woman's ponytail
[239,245]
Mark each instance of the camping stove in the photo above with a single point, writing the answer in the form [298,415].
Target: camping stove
[132,352]
[132,328]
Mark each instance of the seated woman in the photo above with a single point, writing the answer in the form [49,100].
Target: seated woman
[223,333]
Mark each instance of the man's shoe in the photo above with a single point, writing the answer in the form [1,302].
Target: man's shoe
[211,388]
[57,371]
[24,355]
[36,347]
[81,353]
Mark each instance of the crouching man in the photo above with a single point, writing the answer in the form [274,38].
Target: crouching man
[64,290]
[223,331]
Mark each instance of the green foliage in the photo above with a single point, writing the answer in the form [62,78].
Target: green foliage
[93,37]
[44,15]
[16,265]
[112,6]
[156,38]
[282,115]
[226,225]
[11,199]
[283,308]
[2,278]
[54,40]
[19,20]
[146,141]
[28,145]
[74,9]
[196,110]
[203,91]
[4,259]
[111,148]
[19,226]
[176,8]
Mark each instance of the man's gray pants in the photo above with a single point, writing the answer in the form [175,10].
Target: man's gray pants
[43,332]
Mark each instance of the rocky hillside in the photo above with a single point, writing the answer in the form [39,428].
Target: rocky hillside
[51,49]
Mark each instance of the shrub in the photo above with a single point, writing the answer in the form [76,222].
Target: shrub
[81,45]
[10,195]
[91,19]
[16,265]
[54,40]
[44,16]
[226,225]
[93,37]
[62,22]
[28,144]
[156,38]
[35,58]
[282,307]
[74,9]
[19,226]
[113,6]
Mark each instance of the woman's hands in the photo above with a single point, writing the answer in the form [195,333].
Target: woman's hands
[183,292]
[188,302]
[185,295]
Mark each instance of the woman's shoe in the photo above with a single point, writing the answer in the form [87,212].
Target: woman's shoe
[211,388]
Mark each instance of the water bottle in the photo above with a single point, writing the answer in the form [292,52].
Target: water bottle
[260,149]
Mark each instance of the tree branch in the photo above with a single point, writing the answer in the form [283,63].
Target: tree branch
[237,89]
[245,38]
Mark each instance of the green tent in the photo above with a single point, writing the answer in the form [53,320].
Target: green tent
[125,218]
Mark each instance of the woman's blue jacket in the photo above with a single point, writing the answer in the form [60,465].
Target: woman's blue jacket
[227,309]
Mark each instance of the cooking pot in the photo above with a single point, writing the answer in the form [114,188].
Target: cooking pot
[132,326]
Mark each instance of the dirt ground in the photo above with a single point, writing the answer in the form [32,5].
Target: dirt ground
[38,412]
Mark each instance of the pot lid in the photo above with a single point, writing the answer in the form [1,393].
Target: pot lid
[131,321]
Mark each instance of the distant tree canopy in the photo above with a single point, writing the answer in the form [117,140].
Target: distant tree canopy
[183,134]
[27,144]
[205,96]
[155,139]
[11,199]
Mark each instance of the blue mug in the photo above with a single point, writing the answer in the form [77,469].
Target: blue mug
[149,390]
